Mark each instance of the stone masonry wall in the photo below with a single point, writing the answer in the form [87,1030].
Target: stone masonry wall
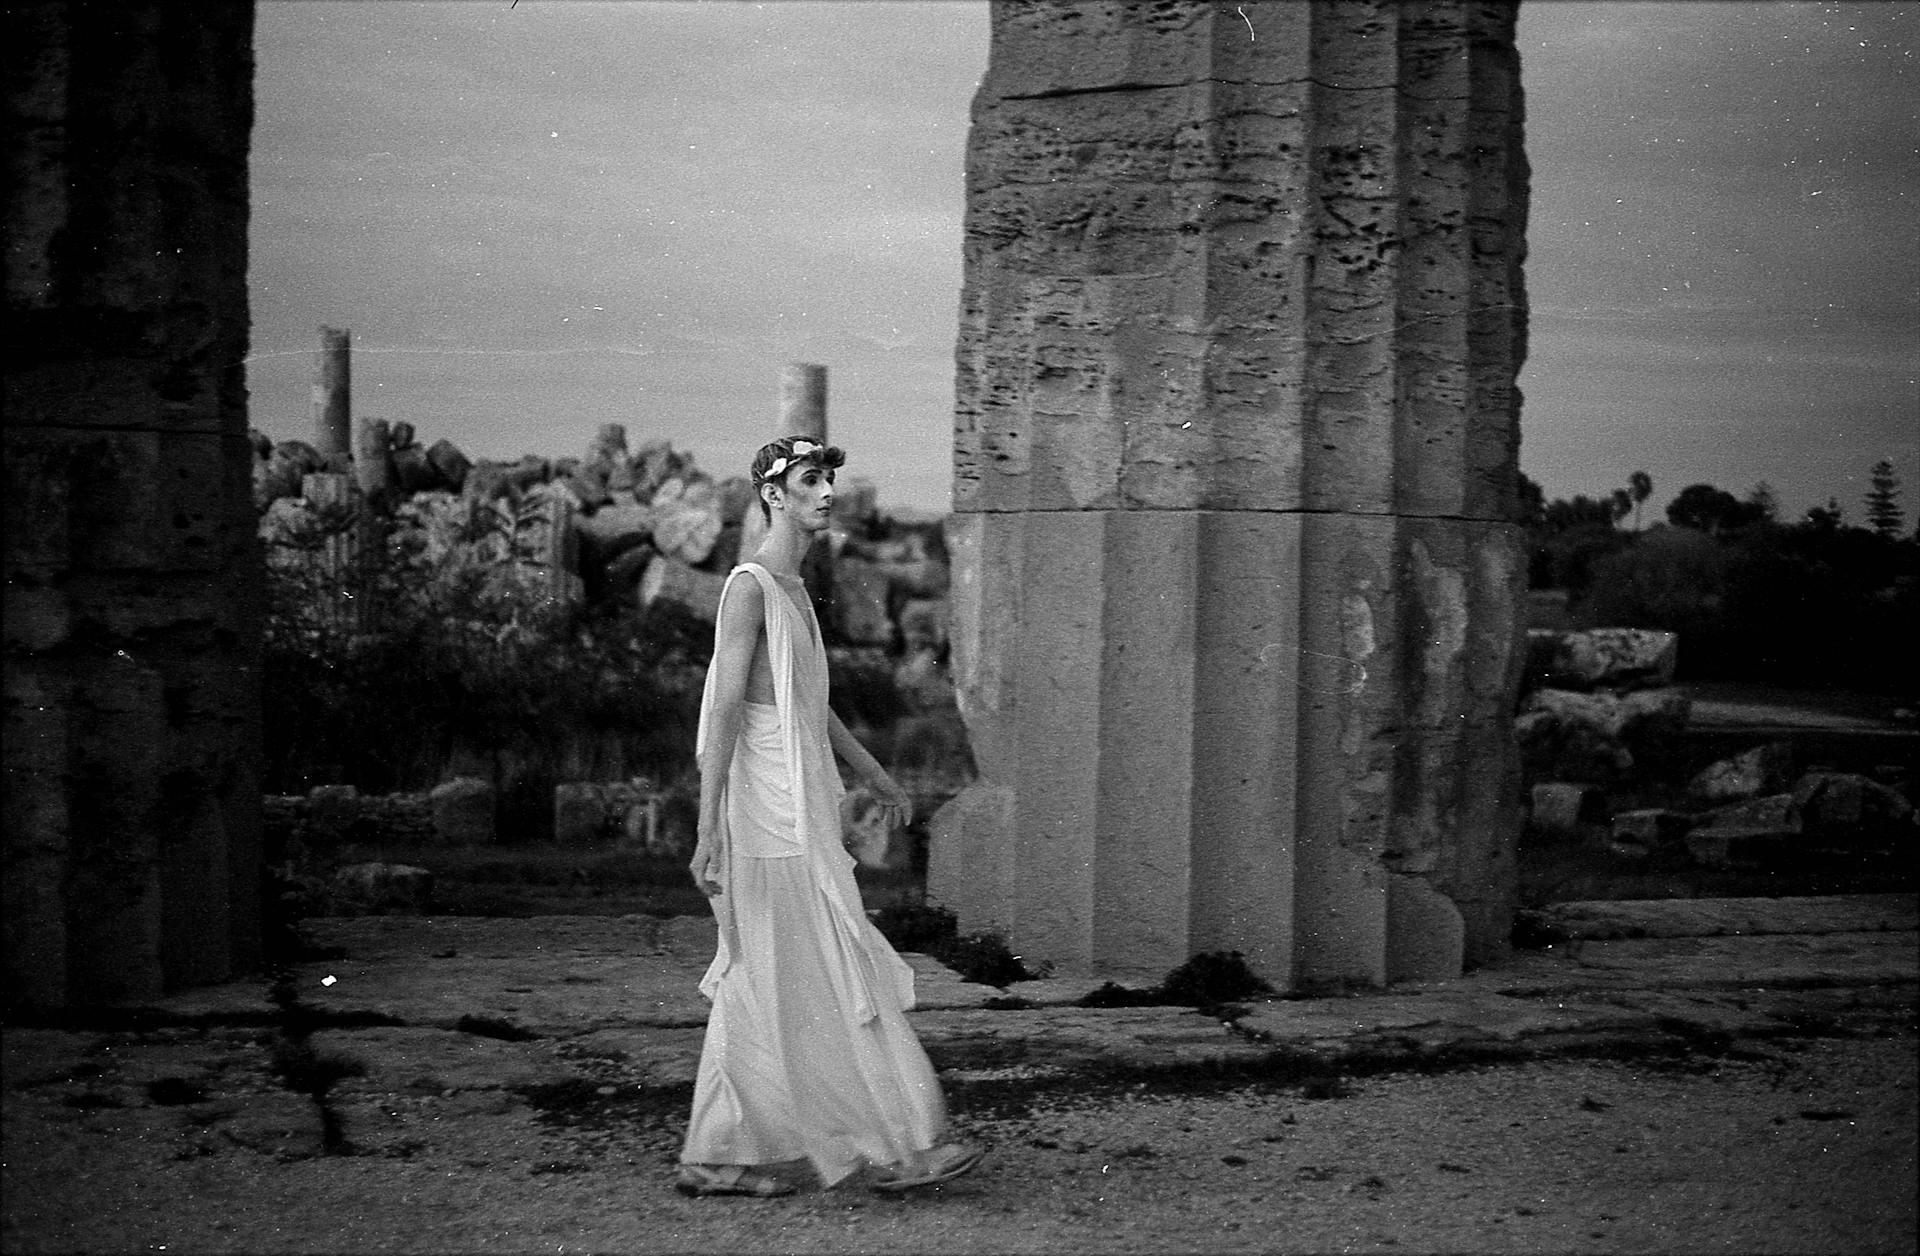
[1236,591]
[132,804]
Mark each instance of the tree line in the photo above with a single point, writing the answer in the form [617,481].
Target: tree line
[1816,600]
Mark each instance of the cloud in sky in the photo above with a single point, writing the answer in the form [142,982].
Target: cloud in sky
[540,217]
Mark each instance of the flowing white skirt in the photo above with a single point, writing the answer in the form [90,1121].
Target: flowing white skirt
[787,1071]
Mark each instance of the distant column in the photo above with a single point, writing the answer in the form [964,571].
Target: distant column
[333,394]
[803,401]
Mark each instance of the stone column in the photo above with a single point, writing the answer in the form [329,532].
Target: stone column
[333,397]
[1236,593]
[132,795]
[803,412]
[803,401]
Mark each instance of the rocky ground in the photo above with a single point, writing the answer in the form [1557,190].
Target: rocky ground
[1714,1075]
[1803,1145]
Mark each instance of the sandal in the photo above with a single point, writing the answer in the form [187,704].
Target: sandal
[700,1180]
[942,1164]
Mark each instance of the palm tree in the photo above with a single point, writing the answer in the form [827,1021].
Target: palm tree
[1640,485]
[1621,503]
[1883,499]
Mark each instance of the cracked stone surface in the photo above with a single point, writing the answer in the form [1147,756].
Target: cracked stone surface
[1667,1092]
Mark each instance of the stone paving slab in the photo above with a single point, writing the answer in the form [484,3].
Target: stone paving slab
[1067,1038]
[617,997]
[937,986]
[1776,961]
[647,1056]
[1705,917]
[551,994]
[424,1060]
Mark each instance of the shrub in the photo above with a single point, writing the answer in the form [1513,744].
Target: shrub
[1803,604]
[379,671]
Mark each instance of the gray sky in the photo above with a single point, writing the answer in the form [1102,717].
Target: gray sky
[544,216]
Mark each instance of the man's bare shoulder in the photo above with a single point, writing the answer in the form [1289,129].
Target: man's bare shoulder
[742,607]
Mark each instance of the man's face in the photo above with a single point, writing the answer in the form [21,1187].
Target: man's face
[806,494]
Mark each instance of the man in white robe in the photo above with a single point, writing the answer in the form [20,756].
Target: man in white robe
[808,1053]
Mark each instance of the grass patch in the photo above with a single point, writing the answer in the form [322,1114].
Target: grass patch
[1211,979]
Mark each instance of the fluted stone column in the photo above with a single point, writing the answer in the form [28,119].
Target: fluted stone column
[132,791]
[1236,592]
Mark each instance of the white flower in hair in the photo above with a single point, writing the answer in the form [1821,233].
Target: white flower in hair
[801,449]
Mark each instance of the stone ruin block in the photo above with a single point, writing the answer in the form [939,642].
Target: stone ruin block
[464,811]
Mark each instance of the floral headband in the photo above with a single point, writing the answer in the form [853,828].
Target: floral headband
[801,449]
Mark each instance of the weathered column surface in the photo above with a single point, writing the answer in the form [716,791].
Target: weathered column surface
[132,799]
[803,401]
[332,401]
[1236,590]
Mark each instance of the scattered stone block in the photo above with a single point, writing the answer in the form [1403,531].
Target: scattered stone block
[413,471]
[640,828]
[736,499]
[579,814]
[932,757]
[380,889]
[856,505]
[1774,814]
[463,812]
[923,624]
[1613,658]
[923,684]
[1596,737]
[331,811]
[655,463]
[532,469]
[1560,808]
[922,578]
[671,580]
[1744,834]
[860,602]
[487,481]
[588,488]
[1764,769]
[449,463]
[1651,828]
[624,573]
[687,520]
[1842,804]
[1426,934]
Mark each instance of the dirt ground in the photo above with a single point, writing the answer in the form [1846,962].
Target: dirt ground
[1788,1145]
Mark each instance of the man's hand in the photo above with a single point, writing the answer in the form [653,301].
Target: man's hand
[896,802]
[704,866]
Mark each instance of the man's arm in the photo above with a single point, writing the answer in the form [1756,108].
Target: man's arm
[742,617]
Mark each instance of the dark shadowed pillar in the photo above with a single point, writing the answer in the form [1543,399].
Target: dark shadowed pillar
[132,793]
[1236,590]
